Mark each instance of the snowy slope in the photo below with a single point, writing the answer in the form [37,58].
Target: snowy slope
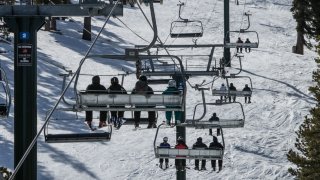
[279,103]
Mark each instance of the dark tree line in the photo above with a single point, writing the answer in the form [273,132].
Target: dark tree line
[307,15]
[306,155]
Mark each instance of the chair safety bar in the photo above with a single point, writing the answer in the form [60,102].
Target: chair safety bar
[231,93]
[189,153]
[186,35]
[243,45]
[85,137]
[222,123]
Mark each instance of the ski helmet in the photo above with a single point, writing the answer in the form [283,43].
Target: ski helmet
[95,80]
[172,83]
[199,139]
[114,80]
[143,78]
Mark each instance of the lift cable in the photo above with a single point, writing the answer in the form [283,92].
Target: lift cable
[132,30]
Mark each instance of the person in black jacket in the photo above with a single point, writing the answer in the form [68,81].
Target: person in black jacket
[232,88]
[96,87]
[216,145]
[239,47]
[116,88]
[166,145]
[214,117]
[142,87]
[200,145]
[246,47]
[246,88]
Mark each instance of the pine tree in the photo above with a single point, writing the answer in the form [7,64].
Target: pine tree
[307,154]
[307,15]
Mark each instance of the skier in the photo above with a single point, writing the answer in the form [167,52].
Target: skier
[232,88]
[223,88]
[180,163]
[246,88]
[214,118]
[164,144]
[246,47]
[172,89]
[142,87]
[239,47]
[216,145]
[96,87]
[116,88]
[200,145]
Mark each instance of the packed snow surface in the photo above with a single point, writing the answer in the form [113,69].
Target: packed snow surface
[258,151]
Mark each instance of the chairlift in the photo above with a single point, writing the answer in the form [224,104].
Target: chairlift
[222,123]
[185,28]
[199,123]
[103,134]
[5,95]
[252,44]
[238,93]
[167,67]
[209,154]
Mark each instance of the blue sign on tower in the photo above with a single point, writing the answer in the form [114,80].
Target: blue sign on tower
[24,35]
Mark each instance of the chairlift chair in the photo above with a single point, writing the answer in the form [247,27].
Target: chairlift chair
[5,94]
[209,154]
[238,93]
[252,44]
[99,135]
[222,123]
[185,28]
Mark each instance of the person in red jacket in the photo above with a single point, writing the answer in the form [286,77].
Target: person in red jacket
[180,163]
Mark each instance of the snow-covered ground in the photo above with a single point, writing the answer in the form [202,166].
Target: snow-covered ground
[257,151]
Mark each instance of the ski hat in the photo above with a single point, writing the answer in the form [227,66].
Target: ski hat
[165,139]
[199,139]
[114,80]
[172,83]
[180,139]
[95,80]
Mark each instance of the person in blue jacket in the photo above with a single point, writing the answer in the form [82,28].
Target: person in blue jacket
[164,144]
[172,89]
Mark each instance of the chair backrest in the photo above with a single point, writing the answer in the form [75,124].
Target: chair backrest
[98,99]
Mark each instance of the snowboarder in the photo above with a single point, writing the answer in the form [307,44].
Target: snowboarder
[247,49]
[214,118]
[116,88]
[142,87]
[216,145]
[223,88]
[232,88]
[200,145]
[246,88]
[239,47]
[172,89]
[96,87]
[164,144]
[180,163]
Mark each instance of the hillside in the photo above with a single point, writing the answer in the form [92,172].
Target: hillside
[257,151]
